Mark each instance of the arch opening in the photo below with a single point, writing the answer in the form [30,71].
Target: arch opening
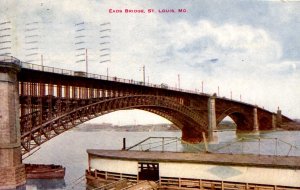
[130,117]
[243,123]
[227,124]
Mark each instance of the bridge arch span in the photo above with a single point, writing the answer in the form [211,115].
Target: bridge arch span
[239,116]
[191,132]
[181,115]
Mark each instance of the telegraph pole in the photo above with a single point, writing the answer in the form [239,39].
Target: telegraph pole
[5,38]
[32,41]
[80,44]
[105,51]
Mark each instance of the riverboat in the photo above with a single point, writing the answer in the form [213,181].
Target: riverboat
[43,171]
[194,170]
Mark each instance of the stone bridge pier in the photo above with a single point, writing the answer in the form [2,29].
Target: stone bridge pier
[12,171]
[212,120]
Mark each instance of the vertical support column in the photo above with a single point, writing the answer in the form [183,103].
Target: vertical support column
[278,118]
[12,171]
[274,125]
[212,121]
[67,92]
[255,120]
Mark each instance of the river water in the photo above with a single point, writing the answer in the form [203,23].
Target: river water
[69,149]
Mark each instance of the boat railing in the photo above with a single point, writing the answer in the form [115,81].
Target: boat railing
[154,143]
[244,145]
[260,146]
[163,144]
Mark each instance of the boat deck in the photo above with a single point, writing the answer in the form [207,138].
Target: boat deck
[290,162]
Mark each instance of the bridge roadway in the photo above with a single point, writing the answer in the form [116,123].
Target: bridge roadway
[39,103]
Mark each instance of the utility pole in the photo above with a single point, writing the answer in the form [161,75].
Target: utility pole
[107,72]
[42,61]
[105,50]
[80,44]
[144,74]
[202,86]
[5,38]
[178,76]
[86,61]
[32,41]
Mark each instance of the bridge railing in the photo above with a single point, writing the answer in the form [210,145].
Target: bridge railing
[122,80]
[103,77]
[26,65]
[9,59]
[4,58]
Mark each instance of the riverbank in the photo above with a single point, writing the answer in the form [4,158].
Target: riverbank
[292,126]
[88,127]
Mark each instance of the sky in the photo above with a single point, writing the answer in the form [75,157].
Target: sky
[249,48]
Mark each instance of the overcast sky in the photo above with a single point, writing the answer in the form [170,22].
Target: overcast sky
[251,48]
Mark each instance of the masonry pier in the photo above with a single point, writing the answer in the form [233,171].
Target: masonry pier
[12,171]
[212,120]
[255,120]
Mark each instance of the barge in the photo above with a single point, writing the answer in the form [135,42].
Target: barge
[43,171]
[189,171]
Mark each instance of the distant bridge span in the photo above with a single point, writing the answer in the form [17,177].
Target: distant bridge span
[39,103]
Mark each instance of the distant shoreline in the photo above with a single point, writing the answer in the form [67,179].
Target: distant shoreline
[141,128]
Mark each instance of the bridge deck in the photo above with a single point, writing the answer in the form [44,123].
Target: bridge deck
[291,162]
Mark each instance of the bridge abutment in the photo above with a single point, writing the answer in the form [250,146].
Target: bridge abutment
[12,171]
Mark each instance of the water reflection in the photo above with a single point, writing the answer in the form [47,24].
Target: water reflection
[34,184]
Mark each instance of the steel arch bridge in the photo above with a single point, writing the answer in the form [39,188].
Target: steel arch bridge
[54,100]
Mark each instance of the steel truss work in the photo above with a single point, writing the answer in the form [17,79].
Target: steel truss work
[52,116]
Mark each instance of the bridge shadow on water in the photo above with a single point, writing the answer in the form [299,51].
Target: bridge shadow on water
[34,184]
